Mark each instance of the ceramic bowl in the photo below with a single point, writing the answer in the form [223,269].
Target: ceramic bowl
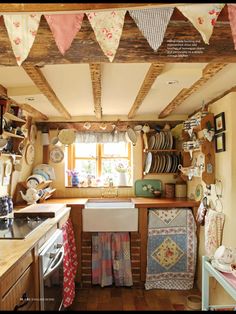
[157,193]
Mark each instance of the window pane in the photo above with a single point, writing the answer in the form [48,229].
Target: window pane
[109,169]
[86,167]
[115,149]
[85,150]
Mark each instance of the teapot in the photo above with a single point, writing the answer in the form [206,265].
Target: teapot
[31,196]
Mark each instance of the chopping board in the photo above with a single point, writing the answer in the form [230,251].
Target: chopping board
[139,187]
[40,210]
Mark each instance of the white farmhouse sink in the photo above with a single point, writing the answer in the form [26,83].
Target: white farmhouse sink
[109,216]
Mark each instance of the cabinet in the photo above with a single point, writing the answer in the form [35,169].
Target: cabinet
[198,151]
[160,155]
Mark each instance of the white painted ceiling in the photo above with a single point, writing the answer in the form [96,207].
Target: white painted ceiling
[120,85]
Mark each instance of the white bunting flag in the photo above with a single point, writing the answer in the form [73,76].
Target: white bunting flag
[203,16]
[107,26]
[22,30]
[152,23]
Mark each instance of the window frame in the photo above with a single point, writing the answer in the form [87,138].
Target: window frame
[99,157]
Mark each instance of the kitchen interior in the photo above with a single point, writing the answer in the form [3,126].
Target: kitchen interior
[117,161]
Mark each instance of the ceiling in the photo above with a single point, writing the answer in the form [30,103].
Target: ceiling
[120,84]
[140,84]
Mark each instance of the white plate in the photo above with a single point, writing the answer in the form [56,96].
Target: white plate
[67,136]
[56,154]
[29,154]
[151,142]
[131,135]
[148,162]
[33,134]
[46,168]
[8,168]
[226,268]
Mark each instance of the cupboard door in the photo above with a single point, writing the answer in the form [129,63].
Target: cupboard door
[21,296]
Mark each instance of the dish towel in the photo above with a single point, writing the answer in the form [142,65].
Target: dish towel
[172,249]
[214,223]
[70,263]
[111,259]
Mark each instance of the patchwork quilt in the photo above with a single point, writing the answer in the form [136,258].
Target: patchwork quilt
[172,249]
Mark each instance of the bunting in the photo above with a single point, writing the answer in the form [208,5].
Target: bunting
[64,28]
[107,27]
[203,17]
[232,20]
[152,23]
[22,30]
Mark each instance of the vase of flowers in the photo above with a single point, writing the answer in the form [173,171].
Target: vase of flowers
[122,174]
[74,174]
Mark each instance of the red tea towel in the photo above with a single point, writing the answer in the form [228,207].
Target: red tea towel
[70,263]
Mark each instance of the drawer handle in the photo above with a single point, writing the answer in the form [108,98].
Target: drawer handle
[23,302]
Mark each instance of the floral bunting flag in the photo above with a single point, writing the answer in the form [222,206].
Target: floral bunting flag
[22,30]
[232,20]
[152,23]
[107,27]
[64,28]
[203,17]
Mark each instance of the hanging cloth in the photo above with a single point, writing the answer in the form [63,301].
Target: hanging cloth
[70,263]
[214,223]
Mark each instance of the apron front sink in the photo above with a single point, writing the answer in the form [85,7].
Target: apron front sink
[109,216]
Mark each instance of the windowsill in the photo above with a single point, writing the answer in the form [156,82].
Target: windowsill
[99,187]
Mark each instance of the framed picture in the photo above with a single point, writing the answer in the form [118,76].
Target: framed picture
[219,120]
[220,142]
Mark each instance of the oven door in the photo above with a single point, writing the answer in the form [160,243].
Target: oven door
[51,278]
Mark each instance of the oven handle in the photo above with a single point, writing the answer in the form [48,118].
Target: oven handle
[53,266]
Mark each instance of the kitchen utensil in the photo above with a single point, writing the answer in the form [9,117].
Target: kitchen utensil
[8,168]
[33,134]
[148,162]
[131,136]
[145,129]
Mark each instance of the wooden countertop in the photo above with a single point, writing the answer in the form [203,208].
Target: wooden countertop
[139,201]
[12,250]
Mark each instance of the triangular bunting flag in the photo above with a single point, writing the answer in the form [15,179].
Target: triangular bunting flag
[107,26]
[203,16]
[232,20]
[22,30]
[64,28]
[152,23]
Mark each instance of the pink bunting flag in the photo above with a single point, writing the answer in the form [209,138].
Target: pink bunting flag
[232,20]
[64,28]
[107,27]
[22,30]
[203,16]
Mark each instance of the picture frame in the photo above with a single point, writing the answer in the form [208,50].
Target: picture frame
[219,121]
[220,142]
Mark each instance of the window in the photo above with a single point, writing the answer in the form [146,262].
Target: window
[97,163]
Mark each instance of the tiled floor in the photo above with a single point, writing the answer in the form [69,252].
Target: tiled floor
[124,299]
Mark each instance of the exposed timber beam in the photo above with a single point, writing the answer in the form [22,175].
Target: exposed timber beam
[40,81]
[208,72]
[133,46]
[95,71]
[154,71]
[212,101]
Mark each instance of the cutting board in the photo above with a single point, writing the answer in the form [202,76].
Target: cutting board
[139,187]
[40,210]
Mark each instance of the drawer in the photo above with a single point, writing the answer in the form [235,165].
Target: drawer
[13,274]
[24,285]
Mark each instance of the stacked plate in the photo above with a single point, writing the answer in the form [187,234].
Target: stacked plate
[161,163]
[160,140]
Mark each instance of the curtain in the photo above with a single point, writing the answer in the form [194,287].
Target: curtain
[100,137]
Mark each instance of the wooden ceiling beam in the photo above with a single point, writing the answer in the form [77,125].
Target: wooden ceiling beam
[133,46]
[208,72]
[212,101]
[95,71]
[40,81]
[154,71]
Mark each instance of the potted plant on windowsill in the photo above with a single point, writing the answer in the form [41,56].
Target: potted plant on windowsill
[74,174]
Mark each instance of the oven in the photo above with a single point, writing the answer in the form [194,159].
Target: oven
[51,273]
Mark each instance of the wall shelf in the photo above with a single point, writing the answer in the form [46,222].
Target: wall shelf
[12,117]
[9,134]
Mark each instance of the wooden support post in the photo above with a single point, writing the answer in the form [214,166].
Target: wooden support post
[45,154]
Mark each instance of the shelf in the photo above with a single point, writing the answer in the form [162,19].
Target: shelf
[43,185]
[11,155]
[12,117]
[159,150]
[9,134]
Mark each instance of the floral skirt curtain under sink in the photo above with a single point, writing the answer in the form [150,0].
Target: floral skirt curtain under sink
[111,259]
[172,249]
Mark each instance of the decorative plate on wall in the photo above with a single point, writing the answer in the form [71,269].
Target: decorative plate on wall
[67,136]
[8,168]
[29,154]
[33,134]
[56,154]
